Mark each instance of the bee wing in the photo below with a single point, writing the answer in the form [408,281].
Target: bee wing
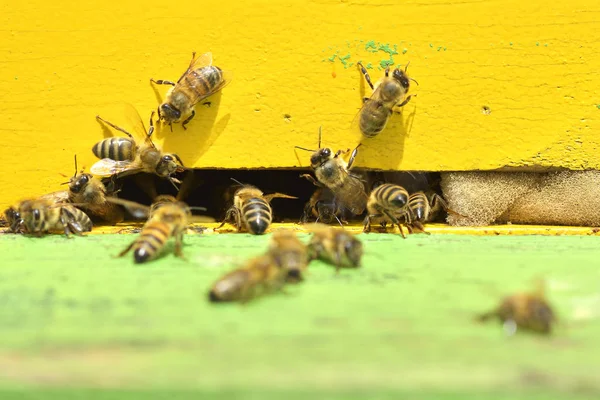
[135,122]
[352,195]
[137,210]
[107,167]
[355,125]
[57,197]
[203,60]
[226,77]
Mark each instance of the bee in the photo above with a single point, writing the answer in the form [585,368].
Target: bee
[324,207]
[333,173]
[335,246]
[261,275]
[527,311]
[290,254]
[90,192]
[387,202]
[124,156]
[200,80]
[167,217]
[388,94]
[42,215]
[251,210]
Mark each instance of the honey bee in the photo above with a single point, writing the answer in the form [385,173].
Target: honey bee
[333,173]
[387,202]
[89,191]
[199,81]
[290,254]
[124,156]
[388,94]
[167,217]
[335,246]
[251,210]
[42,215]
[261,275]
[527,311]
[324,207]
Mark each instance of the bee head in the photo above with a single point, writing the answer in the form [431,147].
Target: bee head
[402,78]
[79,182]
[32,216]
[353,249]
[168,113]
[13,217]
[326,211]
[320,156]
[168,165]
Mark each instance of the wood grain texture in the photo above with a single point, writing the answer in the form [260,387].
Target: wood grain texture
[534,66]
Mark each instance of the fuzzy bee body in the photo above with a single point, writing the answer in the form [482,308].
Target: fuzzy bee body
[335,246]
[387,203]
[40,216]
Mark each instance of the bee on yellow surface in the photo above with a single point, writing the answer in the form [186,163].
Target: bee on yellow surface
[251,210]
[527,311]
[387,202]
[335,246]
[333,173]
[261,275]
[90,193]
[167,217]
[389,93]
[289,253]
[43,215]
[199,81]
[324,207]
[124,156]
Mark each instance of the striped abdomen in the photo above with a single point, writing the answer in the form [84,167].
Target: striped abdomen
[257,215]
[390,197]
[78,219]
[373,118]
[419,207]
[115,148]
[202,82]
[152,239]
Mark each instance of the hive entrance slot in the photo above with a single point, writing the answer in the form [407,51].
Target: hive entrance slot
[212,187]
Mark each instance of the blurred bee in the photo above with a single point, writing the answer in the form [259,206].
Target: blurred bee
[333,173]
[167,217]
[200,80]
[388,93]
[289,253]
[251,210]
[387,202]
[324,207]
[89,191]
[124,156]
[527,311]
[261,275]
[335,246]
[43,215]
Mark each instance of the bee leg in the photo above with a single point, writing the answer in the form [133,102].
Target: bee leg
[312,179]
[227,218]
[420,227]
[366,74]
[367,224]
[395,221]
[121,254]
[353,156]
[405,101]
[118,128]
[365,99]
[162,82]
[179,245]
[188,119]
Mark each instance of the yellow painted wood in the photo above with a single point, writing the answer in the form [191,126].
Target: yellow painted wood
[435,229]
[534,65]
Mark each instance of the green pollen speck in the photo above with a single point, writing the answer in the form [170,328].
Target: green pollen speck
[404,50]
[386,63]
[511,43]
[537,43]
[431,45]
[445,48]
[369,66]
[439,48]
[370,46]
[332,58]
[546,44]
[386,48]
[597,105]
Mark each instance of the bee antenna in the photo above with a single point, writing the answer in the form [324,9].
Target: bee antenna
[302,148]
[238,182]
[173,183]
[178,159]
[414,80]
[406,67]
[338,220]
[319,137]
[75,174]
[198,208]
